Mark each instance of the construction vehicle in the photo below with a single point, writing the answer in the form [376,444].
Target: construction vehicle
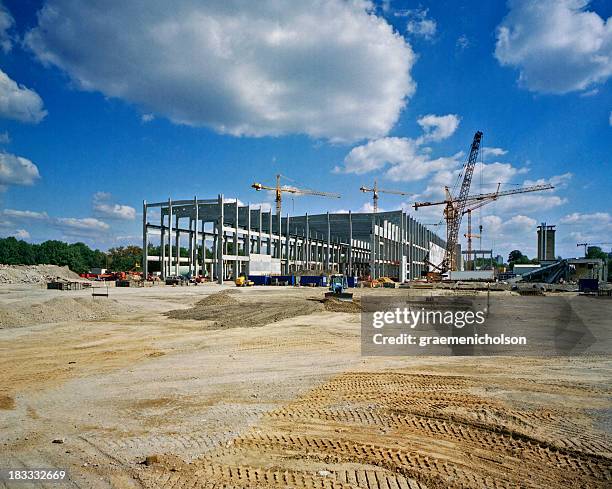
[280,189]
[375,191]
[338,285]
[243,281]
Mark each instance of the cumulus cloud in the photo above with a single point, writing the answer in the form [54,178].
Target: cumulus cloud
[326,68]
[558,46]
[18,102]
[6,24]
[104,207]
[419,24]
[438,127]
[21,234]
[16,170]
[400,156]
[404,158]
[147,117]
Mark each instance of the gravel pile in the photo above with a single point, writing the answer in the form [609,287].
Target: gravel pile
[34,274]
[59,310]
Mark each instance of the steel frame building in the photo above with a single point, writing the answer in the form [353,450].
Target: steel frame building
[223,237]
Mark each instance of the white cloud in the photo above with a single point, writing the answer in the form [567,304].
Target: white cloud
[404,158]
[558,181]
[18,102]
[6,23]
[21,234]
[529,202]
[326,68]
[419,24]
[25,215]
[420,166]
[557,45]
[400,155]
[438,127]
[584,227]
[488,151]
[73,225]
[147,117]
[369,207]
[521,223]
[103,207]
[589,219]
[16,170]
[375,155]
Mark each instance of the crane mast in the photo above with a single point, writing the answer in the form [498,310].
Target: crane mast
[455,206]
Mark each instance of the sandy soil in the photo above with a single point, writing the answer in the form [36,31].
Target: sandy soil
[213,386]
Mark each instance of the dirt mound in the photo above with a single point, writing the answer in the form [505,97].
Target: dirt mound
[335,305]
[34,274]
[238,314]
[58,310]
[223,298]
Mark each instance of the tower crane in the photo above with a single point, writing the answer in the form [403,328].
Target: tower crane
[477,201]
[280,189]
[587,245]
[375,191]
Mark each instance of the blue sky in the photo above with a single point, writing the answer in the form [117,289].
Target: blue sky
[104,106]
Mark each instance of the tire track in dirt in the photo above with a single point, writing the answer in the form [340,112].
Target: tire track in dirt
[399,430]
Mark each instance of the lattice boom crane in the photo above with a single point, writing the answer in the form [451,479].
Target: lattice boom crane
[453,212]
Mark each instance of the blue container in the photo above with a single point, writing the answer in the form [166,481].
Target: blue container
[260,279]
[318,280]
[588,285]
[352,281]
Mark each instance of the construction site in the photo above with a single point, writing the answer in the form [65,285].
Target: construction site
[241,363]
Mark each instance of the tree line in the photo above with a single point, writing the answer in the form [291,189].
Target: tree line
[79,257]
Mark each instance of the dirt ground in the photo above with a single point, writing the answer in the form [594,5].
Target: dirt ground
[214,386]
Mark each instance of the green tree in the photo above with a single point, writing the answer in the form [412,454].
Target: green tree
[124,259]
[77,256]
[516,257]
[596,252]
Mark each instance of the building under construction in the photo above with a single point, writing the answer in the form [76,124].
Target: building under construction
[225,239]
